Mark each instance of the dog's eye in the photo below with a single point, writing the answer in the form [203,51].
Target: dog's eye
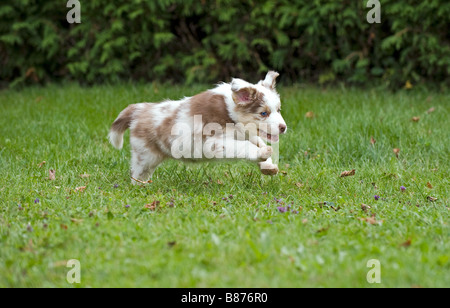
[279,110]
[264,114]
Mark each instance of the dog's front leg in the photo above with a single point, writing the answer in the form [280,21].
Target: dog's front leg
[267,167]
[256,140]
[245,149]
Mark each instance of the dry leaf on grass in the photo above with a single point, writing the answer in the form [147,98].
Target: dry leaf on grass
[370,220]
[310,115]
[84,175]
[41,164]
[80,189]
[429,185]
[152,206]
[372,140]
[396,151]
[431,110]
[348,173]
[365,207]
[415,119]
[51,175]
[408,85]
[299,185]
[407,243]
[431,199]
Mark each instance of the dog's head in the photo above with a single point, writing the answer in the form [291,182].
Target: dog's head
[260,104]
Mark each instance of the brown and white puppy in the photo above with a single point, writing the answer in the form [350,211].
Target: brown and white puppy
[232,120]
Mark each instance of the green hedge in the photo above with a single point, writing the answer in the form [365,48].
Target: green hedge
[206,41]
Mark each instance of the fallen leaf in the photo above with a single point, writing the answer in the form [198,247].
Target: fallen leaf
[365,207]
[429,185]
[31,73]
[41,164]
[299,185]
[407,243]
[75,220]
[431,199]
[219,182]
[396,151]
[63,226]
[370,220]
[152,206]
[408,85]
[323,229]
[415,119]
[372,140]
[84,175]
[51,175]
[348,173]
[80,189]
[310,114]
[431,110]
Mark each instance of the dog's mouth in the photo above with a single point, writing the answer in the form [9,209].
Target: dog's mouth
[269,137]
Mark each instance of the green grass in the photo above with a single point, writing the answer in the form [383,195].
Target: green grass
[244,241]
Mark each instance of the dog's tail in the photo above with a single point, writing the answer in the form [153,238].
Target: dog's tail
[120,125]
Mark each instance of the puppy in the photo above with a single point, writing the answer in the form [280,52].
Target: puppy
[233,120]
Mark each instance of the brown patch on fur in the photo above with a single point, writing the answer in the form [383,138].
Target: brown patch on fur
[164,130]
[254,100]
[122,123]
[146,131]
[211,107]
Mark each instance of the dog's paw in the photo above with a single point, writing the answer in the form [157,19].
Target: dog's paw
[268,168]
[265,152]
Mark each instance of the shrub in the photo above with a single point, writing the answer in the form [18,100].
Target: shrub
[206,41]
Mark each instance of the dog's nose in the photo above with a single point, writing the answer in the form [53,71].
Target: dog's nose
[283,128]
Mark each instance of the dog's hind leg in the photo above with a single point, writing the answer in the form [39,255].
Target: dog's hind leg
[144,161]
[143,166]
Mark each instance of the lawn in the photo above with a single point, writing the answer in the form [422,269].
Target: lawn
[223,224]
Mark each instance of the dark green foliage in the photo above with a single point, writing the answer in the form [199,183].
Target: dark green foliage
[206,41]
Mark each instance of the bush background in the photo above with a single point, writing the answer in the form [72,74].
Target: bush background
[207,41]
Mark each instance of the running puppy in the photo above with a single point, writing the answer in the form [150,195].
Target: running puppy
[233,120]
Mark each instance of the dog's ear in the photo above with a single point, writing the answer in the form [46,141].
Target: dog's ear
[243,92]
[270,80]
